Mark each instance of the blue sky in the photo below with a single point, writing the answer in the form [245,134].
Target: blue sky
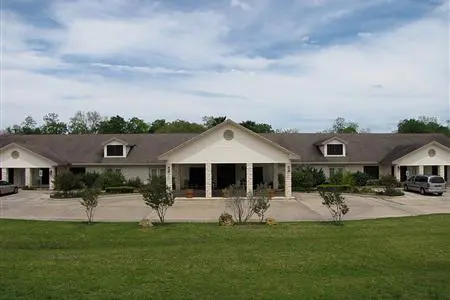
[291,63]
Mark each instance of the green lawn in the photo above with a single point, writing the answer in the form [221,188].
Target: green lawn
[404,258]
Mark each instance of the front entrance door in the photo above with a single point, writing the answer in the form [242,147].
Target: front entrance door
[258,177]
[403,173]
[434,170]
[226,175]
[11,175]
[45,176]
[197,177]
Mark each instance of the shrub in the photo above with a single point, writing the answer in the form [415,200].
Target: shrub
[119,189]
[305,179]
[373,182]
[390,184]
[158,196]
[336,178]
[334,188]
[360,178]
[348,179]
[92,180]
[271,221]
[135,182]
[335,203]
[363,190]
[112,178]
[67,181]
[89,201]
[65,195]
[241,204]
[225,219]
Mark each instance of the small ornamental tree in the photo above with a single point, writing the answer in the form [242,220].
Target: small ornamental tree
[158,196]
[89,201]
[335,203]
[240,203]
[262,202]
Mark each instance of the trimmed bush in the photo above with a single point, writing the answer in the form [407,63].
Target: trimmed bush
[348,179]
[119,189]
[135,182]
[112,178]
[336,178]
[307,178]
[67,181]
[334,188]
[92,180]
[360,178]
[373,182]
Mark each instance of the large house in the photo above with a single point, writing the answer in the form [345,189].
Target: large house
[224,155]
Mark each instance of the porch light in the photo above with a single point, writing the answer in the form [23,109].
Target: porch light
[168,169]
[289,169]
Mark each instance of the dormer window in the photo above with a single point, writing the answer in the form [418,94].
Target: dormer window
[335,149]
[114,150]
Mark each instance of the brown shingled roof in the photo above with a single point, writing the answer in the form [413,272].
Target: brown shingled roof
[145,148]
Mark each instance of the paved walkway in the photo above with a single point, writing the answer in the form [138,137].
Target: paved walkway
[306,207]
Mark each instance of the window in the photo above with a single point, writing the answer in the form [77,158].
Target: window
[335,149]
[437,179]
[334,171]
[372,171]
[114,150]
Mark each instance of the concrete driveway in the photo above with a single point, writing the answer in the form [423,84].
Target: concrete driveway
[307,207]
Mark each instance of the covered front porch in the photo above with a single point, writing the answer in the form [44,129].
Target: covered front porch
[226,155]
[210,179]
[430,159]
[30,177]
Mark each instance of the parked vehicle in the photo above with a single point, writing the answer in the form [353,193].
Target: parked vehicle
[425,184]
[8,188]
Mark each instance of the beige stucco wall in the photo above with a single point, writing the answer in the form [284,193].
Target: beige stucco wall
[214,148]
[422,158]
[128,171]
[347,168]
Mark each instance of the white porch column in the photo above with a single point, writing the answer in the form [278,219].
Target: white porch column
[28,177]
[442,171]
[275,177]
[51,175]
[177,177]
[169,175]
[208,179]
[397,172]
[249,178]
[421,170]
[5,174]
[288,180]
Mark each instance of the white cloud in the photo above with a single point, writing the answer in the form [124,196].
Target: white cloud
[376,80]
[241,4]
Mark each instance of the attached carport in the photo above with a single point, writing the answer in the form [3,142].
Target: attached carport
[23,167]
[430,159]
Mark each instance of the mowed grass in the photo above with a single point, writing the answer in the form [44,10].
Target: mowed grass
[403,258]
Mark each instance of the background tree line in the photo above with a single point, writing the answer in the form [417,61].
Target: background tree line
[93,122]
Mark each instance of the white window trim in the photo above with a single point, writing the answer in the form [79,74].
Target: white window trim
[344,150]
[105,151]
